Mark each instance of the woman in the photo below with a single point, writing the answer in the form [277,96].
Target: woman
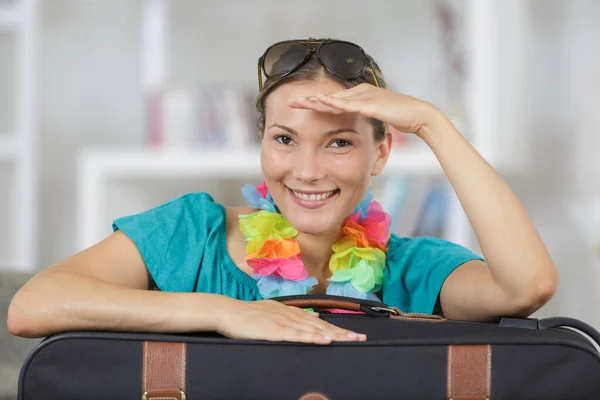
[324,113]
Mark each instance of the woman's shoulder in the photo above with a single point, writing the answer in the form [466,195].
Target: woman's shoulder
[189,210]
[232,217]
[199,204]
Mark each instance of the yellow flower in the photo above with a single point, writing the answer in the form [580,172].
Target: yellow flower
[262,226]
[347,255]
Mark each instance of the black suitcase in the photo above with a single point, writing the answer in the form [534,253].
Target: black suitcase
[406,356]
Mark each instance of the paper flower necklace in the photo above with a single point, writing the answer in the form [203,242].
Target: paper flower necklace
[357,262]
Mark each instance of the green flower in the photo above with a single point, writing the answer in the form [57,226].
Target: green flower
[262,226]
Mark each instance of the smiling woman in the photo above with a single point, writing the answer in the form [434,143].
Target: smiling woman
[312,226]
[312,152]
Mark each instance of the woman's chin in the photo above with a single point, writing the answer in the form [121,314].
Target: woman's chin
[309,225]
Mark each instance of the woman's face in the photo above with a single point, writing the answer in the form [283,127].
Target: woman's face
[317,165]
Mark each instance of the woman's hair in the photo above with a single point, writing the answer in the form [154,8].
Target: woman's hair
[313,70]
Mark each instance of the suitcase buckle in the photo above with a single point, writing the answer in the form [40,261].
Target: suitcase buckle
[145,396]
[392,311]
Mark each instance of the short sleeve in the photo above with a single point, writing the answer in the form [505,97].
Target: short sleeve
[171,238]
[416,269]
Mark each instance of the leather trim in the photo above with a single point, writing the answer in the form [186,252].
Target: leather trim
[469,372]
[313,396]
[164,369]
[418,317]
[322,303]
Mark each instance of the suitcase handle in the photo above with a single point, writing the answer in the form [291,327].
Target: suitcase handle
[373,308]
[552,323]
[325,301]
[558,322]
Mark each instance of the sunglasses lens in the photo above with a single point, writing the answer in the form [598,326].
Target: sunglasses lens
[283,58]
[343,59]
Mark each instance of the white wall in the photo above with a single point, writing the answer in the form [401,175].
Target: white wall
[89,95]
[567,40]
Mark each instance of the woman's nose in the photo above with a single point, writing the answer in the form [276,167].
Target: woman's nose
[307,167]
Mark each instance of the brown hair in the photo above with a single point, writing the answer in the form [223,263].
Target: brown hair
[313,70]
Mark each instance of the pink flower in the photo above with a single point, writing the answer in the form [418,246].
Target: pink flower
[262,188]
[288,268]
[376,223]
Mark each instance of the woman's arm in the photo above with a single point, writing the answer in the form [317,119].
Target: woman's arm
[105,288]
[520,276]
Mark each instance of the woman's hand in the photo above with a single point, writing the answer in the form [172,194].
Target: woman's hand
[404,113]
[274,321]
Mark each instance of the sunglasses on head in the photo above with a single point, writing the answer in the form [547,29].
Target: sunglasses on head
[343,59]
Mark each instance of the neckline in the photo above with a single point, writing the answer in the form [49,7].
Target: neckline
[242,277]
[237,273]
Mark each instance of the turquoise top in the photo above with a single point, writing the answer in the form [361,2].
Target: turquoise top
[183,243]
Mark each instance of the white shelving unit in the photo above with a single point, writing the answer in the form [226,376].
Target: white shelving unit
[18,20]
[8,148]
[9,17]
[98,167]
[101,168]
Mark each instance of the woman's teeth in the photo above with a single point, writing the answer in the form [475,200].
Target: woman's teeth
[313,197]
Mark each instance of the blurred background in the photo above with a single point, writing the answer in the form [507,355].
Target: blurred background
[110,107]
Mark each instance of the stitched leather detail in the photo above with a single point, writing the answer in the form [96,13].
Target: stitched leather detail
[313,396]
[419,317]
[164,370]
[469,372]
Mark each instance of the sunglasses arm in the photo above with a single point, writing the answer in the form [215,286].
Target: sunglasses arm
[260,84]
[372,73]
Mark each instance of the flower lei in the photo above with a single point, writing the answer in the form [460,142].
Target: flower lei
[358,259]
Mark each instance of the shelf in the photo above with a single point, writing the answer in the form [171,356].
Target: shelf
[208,164]
[99,168]
[9,17]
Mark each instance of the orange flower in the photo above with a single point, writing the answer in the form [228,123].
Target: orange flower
[274,248]
[358,232]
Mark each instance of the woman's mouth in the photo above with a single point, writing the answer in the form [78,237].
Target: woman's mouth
[313,199]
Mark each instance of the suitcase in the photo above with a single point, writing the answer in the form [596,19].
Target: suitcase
[406,356]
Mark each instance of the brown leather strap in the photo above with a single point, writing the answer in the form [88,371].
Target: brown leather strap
[469,372]
[416,316]
[164,371]
[323,303]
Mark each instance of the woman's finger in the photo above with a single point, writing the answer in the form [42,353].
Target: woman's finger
[333,332]
[294,335]
[342,103]
[353,91]
[313,104]
[326,327]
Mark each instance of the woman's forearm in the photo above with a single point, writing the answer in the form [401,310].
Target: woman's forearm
[44,306]
[509,241]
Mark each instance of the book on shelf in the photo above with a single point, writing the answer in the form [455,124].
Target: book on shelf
[417,206]
[213,116]
[205,117]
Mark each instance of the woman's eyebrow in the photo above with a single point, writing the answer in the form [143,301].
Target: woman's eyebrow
[285,128]
[327,133]
[340,130]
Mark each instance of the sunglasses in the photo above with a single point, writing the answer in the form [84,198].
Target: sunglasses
[345,60]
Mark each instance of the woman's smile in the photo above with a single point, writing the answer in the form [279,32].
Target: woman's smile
[313,199]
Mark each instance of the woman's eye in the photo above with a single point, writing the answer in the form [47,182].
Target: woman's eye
[340,143]
[283,139]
